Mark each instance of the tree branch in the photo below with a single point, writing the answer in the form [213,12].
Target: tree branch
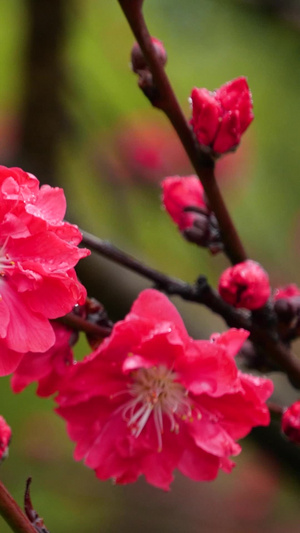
[13,514]
[168,103]
[202,293]
[81,324]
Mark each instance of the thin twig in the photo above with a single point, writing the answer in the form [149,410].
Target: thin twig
[168,103]
[13,514]
[202,293]
[80,324]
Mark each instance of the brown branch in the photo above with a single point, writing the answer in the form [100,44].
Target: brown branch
[80,324]
[13,514]
[168,103]
[202,293]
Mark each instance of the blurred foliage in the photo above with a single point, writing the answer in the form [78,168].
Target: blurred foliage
[208,43]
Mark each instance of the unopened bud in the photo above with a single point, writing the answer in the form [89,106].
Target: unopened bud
[219,118]
[245,285]
[5,436]
[138,61]
[290,423]
[287,303]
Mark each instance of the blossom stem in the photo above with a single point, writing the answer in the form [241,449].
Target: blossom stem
[168,103]
[13,514]
[201,292]
[80,324]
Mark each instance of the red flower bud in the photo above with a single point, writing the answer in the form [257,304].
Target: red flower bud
[184,199]
[5,436]
[287,292]
[290,422]
[287,303]
[245,285]
[220,117]
[179,193]
[138,61]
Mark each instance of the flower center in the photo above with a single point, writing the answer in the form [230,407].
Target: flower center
[156,392]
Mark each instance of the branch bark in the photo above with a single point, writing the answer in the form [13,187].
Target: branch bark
[203,164]
[202,293]
[13,514]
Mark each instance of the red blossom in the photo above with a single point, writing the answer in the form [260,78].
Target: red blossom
[290,422]
[220,117]
[151,399]
[245,285]
[5,436]
[38,253]
[50,368]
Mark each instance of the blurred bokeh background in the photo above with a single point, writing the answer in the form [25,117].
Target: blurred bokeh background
[71,113]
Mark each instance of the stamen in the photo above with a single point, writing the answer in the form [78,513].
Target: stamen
[156,391]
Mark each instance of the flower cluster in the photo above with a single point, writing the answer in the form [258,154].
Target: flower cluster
[151,399]
[219,118]
[38,252]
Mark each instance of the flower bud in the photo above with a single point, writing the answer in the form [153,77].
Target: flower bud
[245,285]
[138,61]
[287,302]
[290,422]
[220,117]
[5,436]
[184,199]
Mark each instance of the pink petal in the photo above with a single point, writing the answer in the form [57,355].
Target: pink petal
[9,359]
[50,204]
[198,464]
[232,340]
[229,133]
[206,114]
[207,368]
[153,305]
[211,437]
[26,331]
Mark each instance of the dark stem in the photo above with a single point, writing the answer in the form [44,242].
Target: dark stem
[168,102]
[275,409]
[80,324]
[202,293]
[13,514]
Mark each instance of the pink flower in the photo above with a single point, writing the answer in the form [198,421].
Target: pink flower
[220,117]
[151,399]
[50,368]
[290,422]
[180,192]
[245,285]
[38,252]
[5,436]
